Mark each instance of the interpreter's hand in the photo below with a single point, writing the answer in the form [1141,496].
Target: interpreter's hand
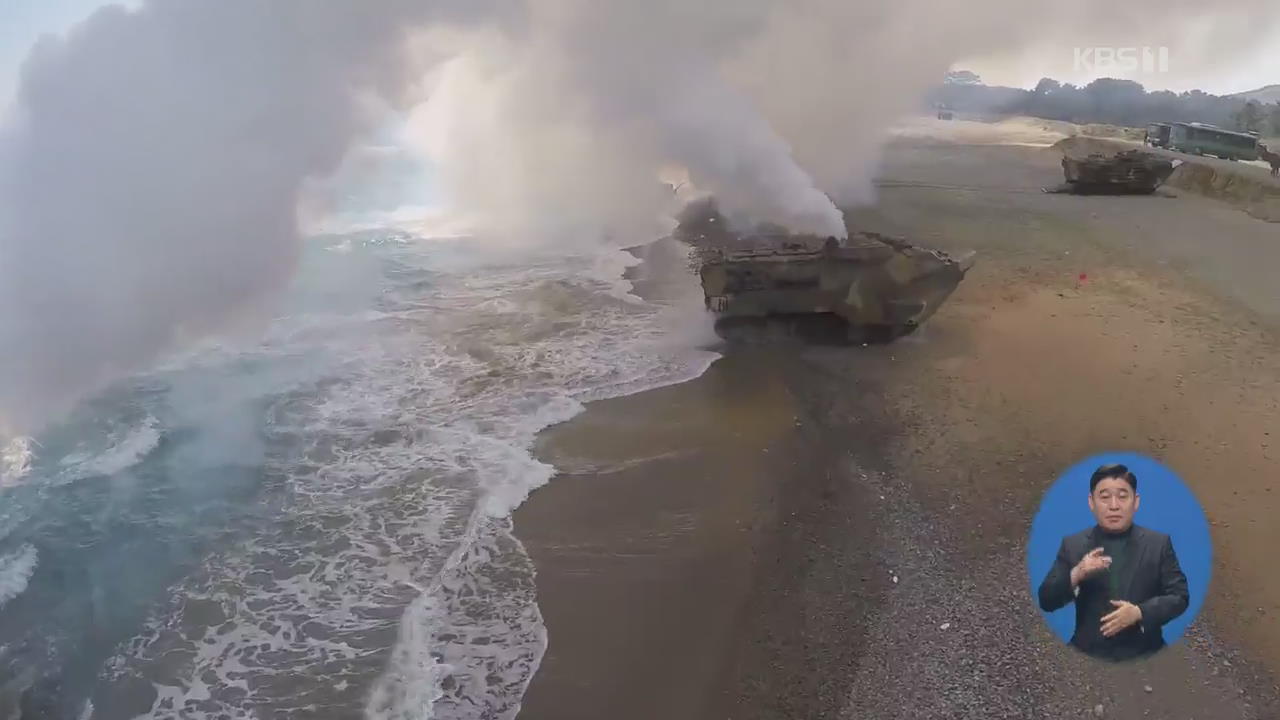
[1093,561]
[1124,616]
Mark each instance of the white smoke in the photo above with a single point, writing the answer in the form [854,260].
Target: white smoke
[772,106]
[150,177]
[150,174]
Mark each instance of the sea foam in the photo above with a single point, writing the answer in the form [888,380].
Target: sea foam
[15,571]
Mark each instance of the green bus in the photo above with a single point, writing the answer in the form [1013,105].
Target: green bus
[1202,139]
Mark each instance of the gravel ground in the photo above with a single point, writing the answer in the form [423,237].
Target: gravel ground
[917,590]
[955,639]
[960,428]
[960,638]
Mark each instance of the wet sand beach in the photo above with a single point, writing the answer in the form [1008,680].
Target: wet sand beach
[827,532]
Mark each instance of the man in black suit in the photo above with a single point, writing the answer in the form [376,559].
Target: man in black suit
[1124,579]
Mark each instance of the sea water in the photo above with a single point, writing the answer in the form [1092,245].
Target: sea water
[315,523]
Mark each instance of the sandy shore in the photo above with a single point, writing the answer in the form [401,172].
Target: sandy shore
[648,545]
[727,548]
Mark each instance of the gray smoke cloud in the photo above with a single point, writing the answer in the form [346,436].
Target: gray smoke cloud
[151,174]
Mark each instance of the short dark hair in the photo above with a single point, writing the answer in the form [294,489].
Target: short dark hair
[1116,471]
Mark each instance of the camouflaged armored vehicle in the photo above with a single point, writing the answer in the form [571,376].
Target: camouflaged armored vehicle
[1126,173]
[867,288]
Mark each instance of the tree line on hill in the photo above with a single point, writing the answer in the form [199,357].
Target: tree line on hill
[1106,100]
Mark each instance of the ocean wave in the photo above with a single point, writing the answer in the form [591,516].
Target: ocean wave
[388,563]
[15,571]
[130,448]
[472,639]
[16,457]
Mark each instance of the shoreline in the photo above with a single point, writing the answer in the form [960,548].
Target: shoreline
[632,541]
[677,530]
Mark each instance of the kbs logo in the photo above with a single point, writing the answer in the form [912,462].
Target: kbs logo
[1122,59]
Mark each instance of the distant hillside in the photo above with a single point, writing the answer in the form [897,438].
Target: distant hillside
[1110,101]
[1264,95]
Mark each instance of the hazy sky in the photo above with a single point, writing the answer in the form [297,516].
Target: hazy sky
[1059,61]
[22,21]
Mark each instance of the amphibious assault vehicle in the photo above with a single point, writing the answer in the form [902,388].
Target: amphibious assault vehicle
[1126,173]
[866,288]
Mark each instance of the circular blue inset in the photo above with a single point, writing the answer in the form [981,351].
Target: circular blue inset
[1166,504]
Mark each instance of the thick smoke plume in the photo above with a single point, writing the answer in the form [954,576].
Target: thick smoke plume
[150,177]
